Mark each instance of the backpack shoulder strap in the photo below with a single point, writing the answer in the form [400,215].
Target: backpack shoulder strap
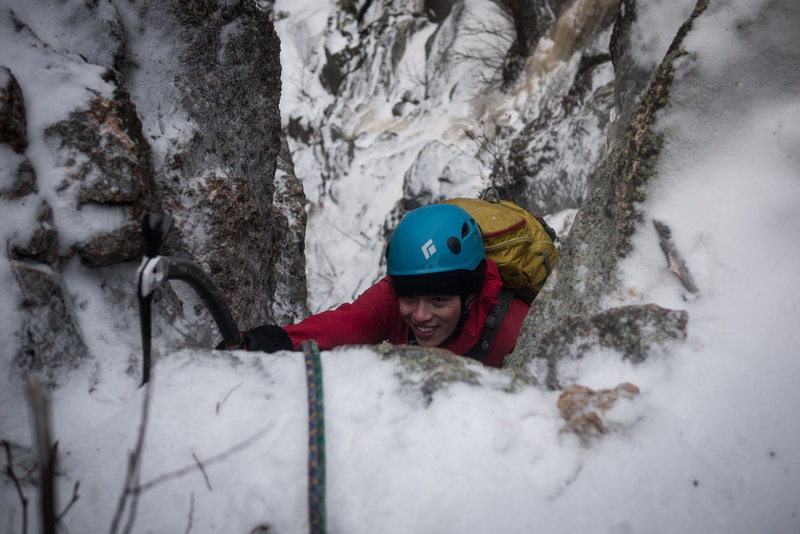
[492,325]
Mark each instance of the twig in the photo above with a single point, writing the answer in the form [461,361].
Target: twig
[46,453]
[191,513]
[23,500]
[487,42]
[213,459]
[29,471]
[139,447]
[132,474]
[202,470]
[75,497]
[348,235]
[220,403]
[675,263]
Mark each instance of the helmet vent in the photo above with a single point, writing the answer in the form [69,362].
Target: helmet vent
[454,244]
[465,229]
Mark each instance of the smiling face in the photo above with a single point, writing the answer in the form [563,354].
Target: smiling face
[432,318]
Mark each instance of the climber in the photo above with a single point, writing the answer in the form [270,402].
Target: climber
[439,292]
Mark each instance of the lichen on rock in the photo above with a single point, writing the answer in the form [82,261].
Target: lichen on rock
[50,343]
[584,410]
[426,371]
[101,156]
[634,332]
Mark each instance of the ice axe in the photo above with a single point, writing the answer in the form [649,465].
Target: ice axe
[155,270]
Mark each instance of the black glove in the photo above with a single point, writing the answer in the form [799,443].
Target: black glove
[265,338]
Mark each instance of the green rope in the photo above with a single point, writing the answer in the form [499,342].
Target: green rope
[316,439]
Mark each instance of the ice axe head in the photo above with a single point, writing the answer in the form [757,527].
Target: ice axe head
[155,227]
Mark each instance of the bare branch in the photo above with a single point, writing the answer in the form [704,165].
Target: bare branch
[497,156]
[134,463]
[202,470]
[675,263]
[212,460]
[414,71]
[22,499]
[191,513]
[220,403]
[488,40]
[72,501]
[46,452]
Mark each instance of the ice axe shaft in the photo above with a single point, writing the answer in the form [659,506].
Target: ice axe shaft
[156,270]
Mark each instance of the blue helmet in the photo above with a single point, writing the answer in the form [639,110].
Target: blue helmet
[436,249]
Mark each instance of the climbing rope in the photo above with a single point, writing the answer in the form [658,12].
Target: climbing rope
[316,439]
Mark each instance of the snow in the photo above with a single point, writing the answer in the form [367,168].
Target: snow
[648,46]
[710,445]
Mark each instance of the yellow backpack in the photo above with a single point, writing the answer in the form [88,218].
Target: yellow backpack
[519,243]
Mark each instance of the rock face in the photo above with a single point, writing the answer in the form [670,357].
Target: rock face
[601,233]
[515,94]
[215,156]
[549,161]
[12,112]
[50,342]
[106,162]
[131,108]
[289,303]
[544,164]
[632,331]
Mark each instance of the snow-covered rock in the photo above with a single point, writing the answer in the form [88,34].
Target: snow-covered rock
[370,93]
[111,110]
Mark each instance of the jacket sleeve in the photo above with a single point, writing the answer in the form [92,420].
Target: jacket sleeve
[506,338]
[367,320]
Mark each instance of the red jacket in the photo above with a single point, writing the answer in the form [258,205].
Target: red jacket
[375,317]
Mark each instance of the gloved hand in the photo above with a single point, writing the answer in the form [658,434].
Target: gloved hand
[264,338]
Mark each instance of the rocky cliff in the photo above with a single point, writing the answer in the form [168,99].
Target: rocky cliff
[428,100]
[601,234]
[110,110]
[678,108]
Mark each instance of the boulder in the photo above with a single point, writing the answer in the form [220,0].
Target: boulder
[18,177]
[43,243]
[106,161]
[49,342]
